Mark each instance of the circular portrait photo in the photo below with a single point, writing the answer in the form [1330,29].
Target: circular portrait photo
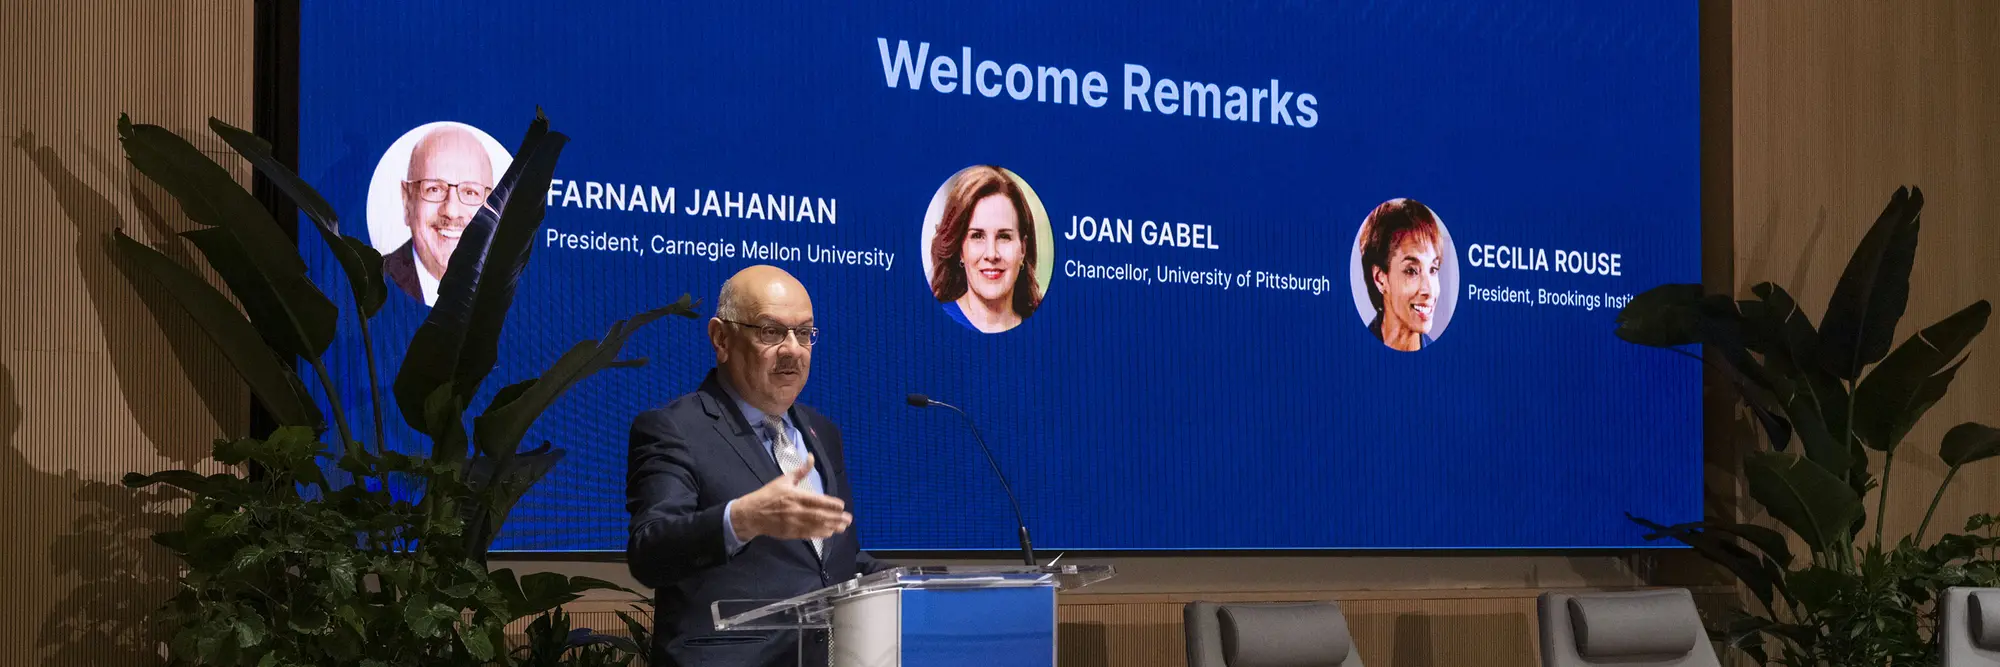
[425,191]
[1404,272]
[988,251]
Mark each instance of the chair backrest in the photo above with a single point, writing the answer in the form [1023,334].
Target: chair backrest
[1306,634]
[1969,627]
[1653,628]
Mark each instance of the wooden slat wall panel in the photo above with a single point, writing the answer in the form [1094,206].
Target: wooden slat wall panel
[91,385]
[1836,105]
[1412,632]
[1415,628]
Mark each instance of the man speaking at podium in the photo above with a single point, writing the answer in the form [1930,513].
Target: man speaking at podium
[737,492]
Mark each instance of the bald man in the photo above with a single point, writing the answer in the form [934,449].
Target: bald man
[738,492]
[449,178]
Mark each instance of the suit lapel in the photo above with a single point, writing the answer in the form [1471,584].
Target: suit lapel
[734,429]
[401,267]
[750,450]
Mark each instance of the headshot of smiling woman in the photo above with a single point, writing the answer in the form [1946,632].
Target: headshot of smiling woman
[1402,257]
[983,252]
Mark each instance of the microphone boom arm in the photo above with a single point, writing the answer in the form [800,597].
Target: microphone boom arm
[1027,546]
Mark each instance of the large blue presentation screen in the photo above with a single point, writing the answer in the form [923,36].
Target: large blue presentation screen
[1208,275]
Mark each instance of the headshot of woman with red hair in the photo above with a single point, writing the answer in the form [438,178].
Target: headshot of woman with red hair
[983,252]
[1401,258]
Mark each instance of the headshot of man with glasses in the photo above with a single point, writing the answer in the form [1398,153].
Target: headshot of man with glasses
[449,178]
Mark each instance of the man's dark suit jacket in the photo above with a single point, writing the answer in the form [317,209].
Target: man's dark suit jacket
[686,462]
[400,266]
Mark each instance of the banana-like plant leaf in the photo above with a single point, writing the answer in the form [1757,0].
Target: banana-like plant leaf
[1817,443]
[588,638]
[444,419]
[303,332]
[1726,335]
[1969,442]
[359,260]
[1760,389]
[1772,543]
[458,341]
[509,587]
[270,379]
[1928,394]
[1816,504]
[1758,386]
[1760,575]
[1780,328]
[641,632]
[1664,316]
[1679,314]
[1818,587]
[1777,429]
[1831,396]
[1763,332]
[509,394]
[502,481]
[506,255]
[1873,291]
[1858,477]
[543,591]
[1912,379]
[595,584]
[1745,633]
[500,428]
[211,197]
[1798,357]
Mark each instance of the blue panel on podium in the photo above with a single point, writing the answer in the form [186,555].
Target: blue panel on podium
[990,627]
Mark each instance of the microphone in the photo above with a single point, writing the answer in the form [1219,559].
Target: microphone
[1027,547]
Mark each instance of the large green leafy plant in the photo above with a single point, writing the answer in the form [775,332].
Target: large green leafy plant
[1839,390]
[286,564]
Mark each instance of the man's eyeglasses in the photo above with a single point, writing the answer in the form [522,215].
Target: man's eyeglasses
[772,334]
[469,193]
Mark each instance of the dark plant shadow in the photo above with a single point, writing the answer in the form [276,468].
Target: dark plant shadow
[1413,641]
[1439,637]
[101,577]
[1806,255]
[1438,640]
[27,492]
[1079,643]
[159,399]
[121,576]
[1762,254]
[1759,252]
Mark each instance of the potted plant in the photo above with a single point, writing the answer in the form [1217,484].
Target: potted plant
[287,564]
[1838,390]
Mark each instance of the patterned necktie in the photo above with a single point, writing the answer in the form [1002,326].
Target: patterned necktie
[787,454]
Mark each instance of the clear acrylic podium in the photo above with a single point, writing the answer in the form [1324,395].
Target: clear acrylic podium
[927,616]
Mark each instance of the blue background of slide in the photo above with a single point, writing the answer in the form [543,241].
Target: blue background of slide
[1128,416]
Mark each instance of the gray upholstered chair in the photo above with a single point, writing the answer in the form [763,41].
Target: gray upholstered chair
[1969,627]
[1654,628]
[1303,634]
